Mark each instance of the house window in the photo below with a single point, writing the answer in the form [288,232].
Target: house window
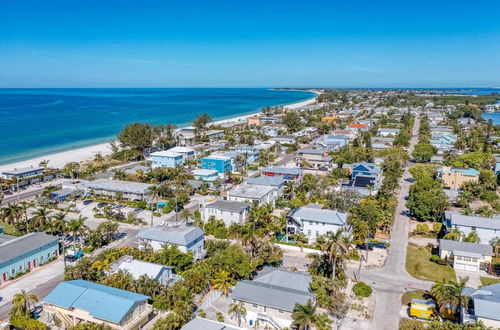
[317,233]
[281,311]
[323,223]
[41,258]
[473,228]
[13,271]
[309,232]
[20,267]
[254,305]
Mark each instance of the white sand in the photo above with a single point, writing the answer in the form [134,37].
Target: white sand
[60,159]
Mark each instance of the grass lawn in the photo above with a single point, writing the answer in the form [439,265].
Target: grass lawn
[418,264]
[488,280]
[409,295]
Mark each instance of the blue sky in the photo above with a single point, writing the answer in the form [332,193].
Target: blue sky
[254,43]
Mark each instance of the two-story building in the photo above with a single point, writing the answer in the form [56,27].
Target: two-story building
[187,153]
[388,131]
[486,228]
[314,221]
[19,254]
[332,142]
[277,182]
[228,211]
[79,301]
[483,306]
[271,297]
[454,178]
[314,158]
[23,173]
[288,173]
[219,163]
[166,158]
[186,238]
[466,256]
[205,175]
[249,193]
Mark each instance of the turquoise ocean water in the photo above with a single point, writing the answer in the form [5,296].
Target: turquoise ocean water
[36,122]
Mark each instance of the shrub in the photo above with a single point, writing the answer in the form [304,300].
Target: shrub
[441,262]
[436,227]
[434,258]
[361,289]
[422,229]
[26,322]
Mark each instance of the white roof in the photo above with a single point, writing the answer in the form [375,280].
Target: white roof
[251,191]
[204,172]
[138,268]
[181,149]
[166,153]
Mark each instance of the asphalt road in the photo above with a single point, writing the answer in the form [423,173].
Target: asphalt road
[392,280]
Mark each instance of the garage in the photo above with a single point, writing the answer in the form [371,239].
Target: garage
[471,268]
[459,266]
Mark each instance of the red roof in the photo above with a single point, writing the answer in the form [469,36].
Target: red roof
[358,125]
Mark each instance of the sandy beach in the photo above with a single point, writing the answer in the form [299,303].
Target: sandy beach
[58,160]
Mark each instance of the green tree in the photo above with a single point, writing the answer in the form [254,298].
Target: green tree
[448,295]
[304,316]
[136,136]
[427,200]
[222,282]
[238,310]
[201,122]
[292,121]
[423,152]
[22,303]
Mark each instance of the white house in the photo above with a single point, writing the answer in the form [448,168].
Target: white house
[388,131]
[186,238]
[314,221]
[486,228]
[226,210]
[250,193]
[137,268]
[464,255]
[187,153]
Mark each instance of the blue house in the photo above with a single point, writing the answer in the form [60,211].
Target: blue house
[18,254]
[205,175]
[219,163]
[252,153]
[365,169]
[83,301]
[166,159]
[333,142]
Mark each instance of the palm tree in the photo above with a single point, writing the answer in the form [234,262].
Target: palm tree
[249,237]
[21,303]
[495,243]
[154,194]
[58,223]
[322,322]
[473,237]
[119,175]
[453,234]
[44,163]
[101,265]
[222,282]
[304,315]
[448,294]
[185,214]
[238,310]
[98,158]
[11,213]
[1,194]
[77,226]
[25,206]
[40,218]
[336,245]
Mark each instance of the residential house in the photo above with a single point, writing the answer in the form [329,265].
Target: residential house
[388,131]
[80,301]
[314,158]
[380,146]
[270,120]
[23,173]
[20,254]
[205,175]
[497,168]
[253,120]
[137,268]
[314,221]
[201,323]
[249,193]
[284,139]
[127,189]
[277,182]
[329,119]
[464,122]
[365,178]
[437,159]
[187,153]
[355,128]
[271,297]
[166,158]
[221,164]
[332,142]
[486,228]
[229,211]
[350,134]
[380,139]
[365,169]
[483,306]
[186,238]
[251,152]
[466,256]
[288,173]
[454,178]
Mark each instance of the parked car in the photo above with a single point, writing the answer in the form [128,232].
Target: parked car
[380,245]
[87,202]
[101,205]
[138,210]
[365,246]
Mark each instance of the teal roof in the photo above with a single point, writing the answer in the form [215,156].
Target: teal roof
[92,297]
[464,171]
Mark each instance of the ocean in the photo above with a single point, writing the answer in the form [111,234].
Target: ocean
[37,122]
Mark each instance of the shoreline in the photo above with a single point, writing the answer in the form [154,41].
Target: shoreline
[59,159]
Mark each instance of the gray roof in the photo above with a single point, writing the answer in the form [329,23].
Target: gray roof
[312,151]
[182,235]
[5,238]
[231,206]
[280,277]
[250,191]
[456,218]
[482,249]
[320,215]
[206,324]
[283,170]
[486,301]
[275,181]
[280,290]
[18,171]
[18,246]
[118,185]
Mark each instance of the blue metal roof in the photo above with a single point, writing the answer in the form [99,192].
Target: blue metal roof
[92,297]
